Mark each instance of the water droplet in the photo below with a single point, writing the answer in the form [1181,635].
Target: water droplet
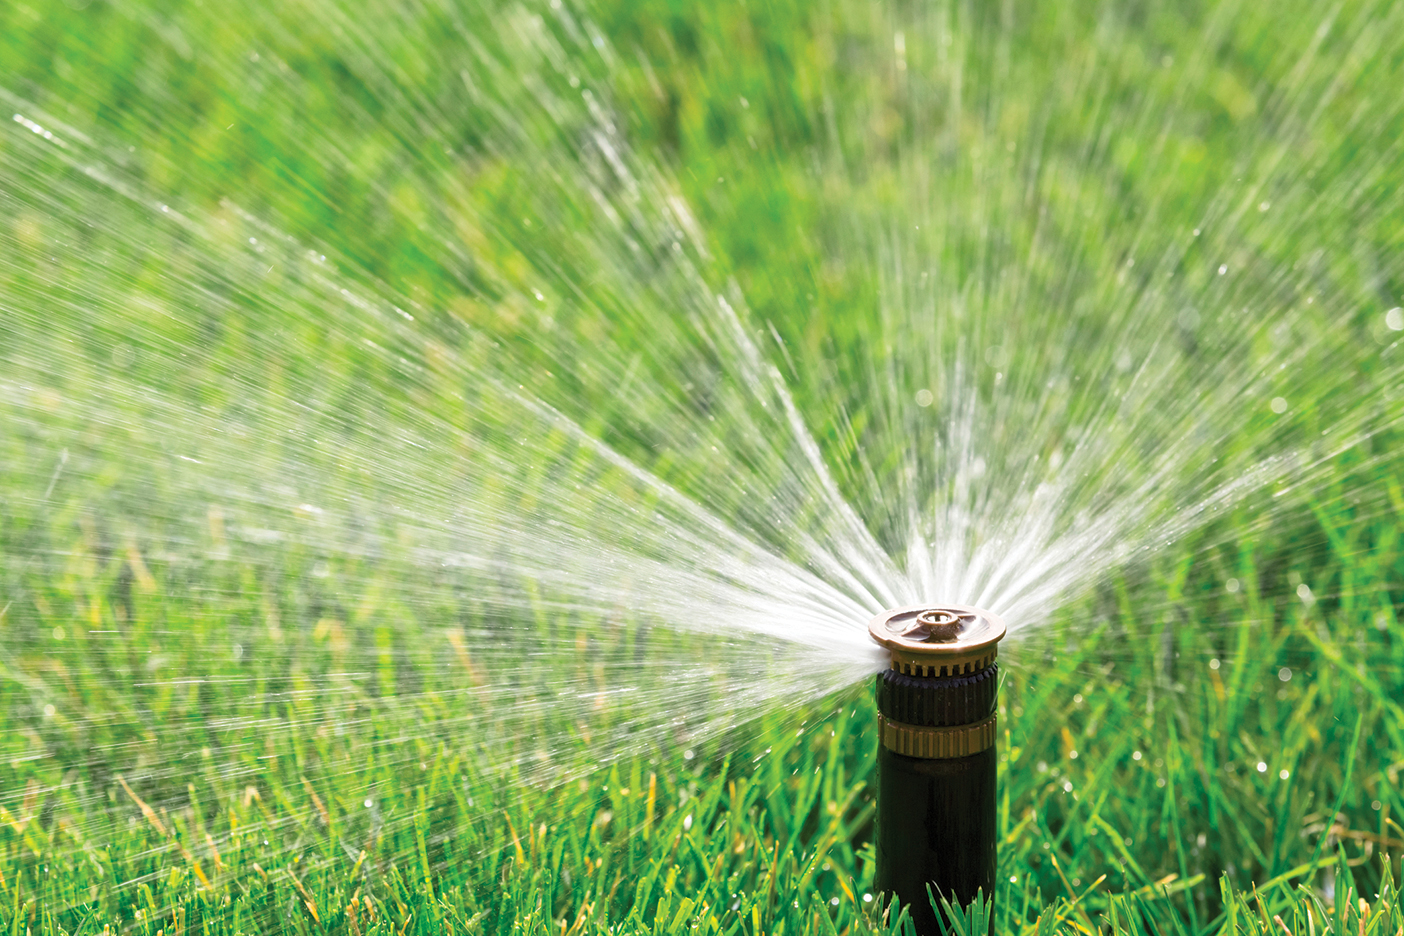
[1264,206]
[1232,586]
[1394,319]
[1214,664]
[1283,774]
[1304,593]
[1136,755]
[1278,405]
[924,397]
[1285,674]
[1223,268]
[1262,768]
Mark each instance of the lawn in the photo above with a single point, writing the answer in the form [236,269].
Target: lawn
[313,317]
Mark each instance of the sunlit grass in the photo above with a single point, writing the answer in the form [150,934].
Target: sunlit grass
[1143,777]
[1204,745]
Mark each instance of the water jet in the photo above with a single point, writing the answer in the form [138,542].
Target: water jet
[937,768]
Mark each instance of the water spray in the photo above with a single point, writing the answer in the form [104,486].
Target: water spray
[936,761]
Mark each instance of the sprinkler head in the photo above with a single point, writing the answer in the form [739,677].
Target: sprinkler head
[942,640]
[937,768]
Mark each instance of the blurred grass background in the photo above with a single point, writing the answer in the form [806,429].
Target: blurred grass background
[1200,727]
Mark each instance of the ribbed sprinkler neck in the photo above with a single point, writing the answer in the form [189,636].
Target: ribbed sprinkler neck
[938,698]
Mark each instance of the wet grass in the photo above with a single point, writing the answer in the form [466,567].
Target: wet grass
[1207,745]
[1237,763]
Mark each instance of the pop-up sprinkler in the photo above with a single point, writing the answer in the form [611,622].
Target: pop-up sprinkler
[936,762]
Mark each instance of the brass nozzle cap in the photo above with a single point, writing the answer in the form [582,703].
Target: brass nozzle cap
[938,640]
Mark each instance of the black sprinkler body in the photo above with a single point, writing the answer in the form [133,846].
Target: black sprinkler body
[936,760]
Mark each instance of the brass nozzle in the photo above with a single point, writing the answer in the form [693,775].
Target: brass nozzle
[941,640]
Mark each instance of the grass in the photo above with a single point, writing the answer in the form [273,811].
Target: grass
[339,774]
[1144,809]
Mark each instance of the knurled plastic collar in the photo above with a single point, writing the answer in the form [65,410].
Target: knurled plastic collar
[939,702]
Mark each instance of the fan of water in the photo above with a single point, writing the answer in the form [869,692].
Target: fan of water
[552,490]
